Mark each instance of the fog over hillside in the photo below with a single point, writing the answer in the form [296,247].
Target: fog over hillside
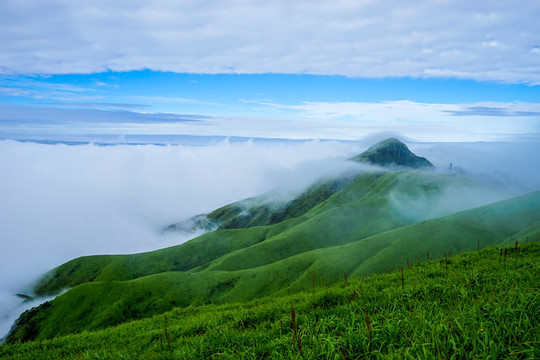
[62,201]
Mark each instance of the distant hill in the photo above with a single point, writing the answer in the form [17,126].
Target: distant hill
[392,152]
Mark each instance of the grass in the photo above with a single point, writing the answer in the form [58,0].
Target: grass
[477,305]
[190,255]
[265,269]
[361,209]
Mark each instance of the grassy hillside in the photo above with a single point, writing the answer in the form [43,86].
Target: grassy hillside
[100,304]
[265,210]
[184,257]
[364,207]
[480,304]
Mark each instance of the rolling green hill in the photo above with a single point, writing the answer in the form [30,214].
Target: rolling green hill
[479,304]
[100,304]
[364,207]
[360,224]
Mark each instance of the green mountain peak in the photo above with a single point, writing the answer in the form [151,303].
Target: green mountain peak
[392,152]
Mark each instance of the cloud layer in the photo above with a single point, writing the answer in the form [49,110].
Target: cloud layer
[484,121]
[61,201]
[488,40]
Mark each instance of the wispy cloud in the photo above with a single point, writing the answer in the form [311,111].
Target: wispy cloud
[492,111]
[173,100]
[99,105]
[425,121]
[37,122]
[495,40]
[104,84]
[39,88]
[406,110]
[309,120]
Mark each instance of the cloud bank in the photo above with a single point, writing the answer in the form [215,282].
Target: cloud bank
[490,40]
[61,201]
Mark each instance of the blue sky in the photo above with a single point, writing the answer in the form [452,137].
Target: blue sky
[339,70]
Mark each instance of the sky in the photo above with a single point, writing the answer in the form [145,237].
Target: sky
[433,71]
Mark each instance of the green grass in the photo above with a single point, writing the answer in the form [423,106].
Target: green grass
[100,304]
[477,305]
[360,209]
[190,255]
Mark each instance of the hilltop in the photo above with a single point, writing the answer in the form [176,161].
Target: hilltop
[392,152]
[260,211]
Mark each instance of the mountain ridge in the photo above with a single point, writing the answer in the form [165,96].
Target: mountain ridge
[389,153]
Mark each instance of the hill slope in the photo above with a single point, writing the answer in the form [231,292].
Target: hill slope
[101,304]
[371,203]
[482,304]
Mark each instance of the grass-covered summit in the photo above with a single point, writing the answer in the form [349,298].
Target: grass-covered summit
[392,152]
[244,264]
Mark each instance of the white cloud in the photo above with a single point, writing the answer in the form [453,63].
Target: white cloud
[488,40]
[60,201]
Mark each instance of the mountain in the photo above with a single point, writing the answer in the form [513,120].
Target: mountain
[392,152]
[447,308]
[262,210]
[254,271]
[367,223]
[371,203]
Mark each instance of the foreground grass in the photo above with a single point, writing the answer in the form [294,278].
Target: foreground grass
[482,304]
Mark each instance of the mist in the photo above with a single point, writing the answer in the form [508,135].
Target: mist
[513,165]
[62,201]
